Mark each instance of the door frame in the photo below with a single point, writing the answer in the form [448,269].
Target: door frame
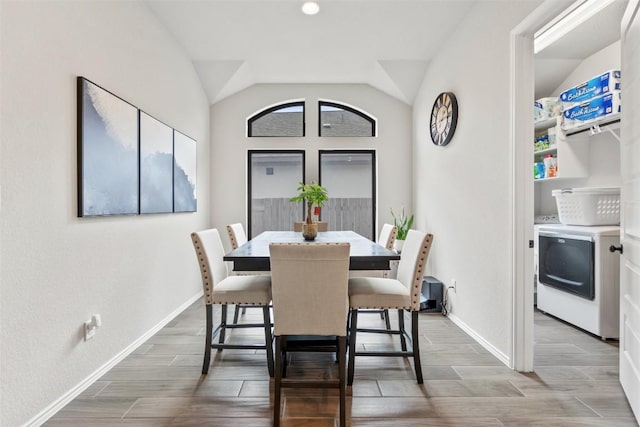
[374,179]
[249,179]
[522,190]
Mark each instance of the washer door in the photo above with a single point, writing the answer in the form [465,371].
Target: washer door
[566,263]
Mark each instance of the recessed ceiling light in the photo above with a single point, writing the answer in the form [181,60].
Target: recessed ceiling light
[310,8]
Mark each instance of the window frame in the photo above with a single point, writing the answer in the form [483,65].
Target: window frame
[270,109]
[350,108]
[374,168]
[249,179]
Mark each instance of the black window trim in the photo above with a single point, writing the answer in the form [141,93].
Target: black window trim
[368,117]
[249,169]
[374,168]
[271,109]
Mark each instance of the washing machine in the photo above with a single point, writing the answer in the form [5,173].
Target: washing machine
[579,277]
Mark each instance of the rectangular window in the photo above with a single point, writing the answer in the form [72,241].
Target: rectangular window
[350,180]
[273,179]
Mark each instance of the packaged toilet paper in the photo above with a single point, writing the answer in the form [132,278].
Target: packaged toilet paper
[602,84]
[591,110]
[545,108]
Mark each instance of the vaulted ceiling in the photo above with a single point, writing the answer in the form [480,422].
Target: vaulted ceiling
[384,43]
[387,44]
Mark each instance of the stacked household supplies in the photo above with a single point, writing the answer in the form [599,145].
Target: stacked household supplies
[591,101]
[545,136]
[545,108]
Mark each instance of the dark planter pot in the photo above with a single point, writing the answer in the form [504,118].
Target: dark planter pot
[309,231]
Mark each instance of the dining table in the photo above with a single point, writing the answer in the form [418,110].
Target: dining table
[364,254]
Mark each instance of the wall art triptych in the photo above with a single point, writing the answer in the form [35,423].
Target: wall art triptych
[128,161]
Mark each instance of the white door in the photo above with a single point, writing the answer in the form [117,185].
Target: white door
[630,226]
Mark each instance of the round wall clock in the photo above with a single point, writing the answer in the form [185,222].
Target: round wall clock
[444,117]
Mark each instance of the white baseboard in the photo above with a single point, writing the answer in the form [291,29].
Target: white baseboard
[484,343]
[63,400]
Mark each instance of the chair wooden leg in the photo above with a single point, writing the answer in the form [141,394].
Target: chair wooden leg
[387,321]
[268,341]
[236,313]
[342,356]
[403,340]
[284,357]
[352,345]
[416,346]
[277,382]
[207,341]
[223,325]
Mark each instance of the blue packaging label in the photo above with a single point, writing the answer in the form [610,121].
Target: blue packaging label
[595,87]
[592,109]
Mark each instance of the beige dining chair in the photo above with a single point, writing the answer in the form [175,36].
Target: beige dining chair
[386,238]
[220,288]
[309,287]
[401,294]
[237,238]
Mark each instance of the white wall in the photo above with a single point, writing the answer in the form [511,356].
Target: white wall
[57,269]
[604,149]
[230,144]
[462,192]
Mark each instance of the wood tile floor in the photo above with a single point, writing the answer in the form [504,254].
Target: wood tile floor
[575,383]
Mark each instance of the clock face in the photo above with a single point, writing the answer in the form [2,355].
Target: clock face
[444,117]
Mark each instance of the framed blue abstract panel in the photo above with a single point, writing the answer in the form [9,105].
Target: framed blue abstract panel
[156,165]
[184,173]
[107,152]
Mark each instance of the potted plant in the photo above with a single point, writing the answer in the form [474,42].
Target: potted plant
[311,194]
[403,224]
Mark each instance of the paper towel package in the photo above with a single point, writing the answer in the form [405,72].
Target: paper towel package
[591,110]
[597,86]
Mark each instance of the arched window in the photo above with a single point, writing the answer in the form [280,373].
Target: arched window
[337,119]
[285,119]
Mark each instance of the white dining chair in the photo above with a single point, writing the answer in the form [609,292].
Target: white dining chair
[220,288]
[401,294]
[309,287]
[386,238]
[237,238]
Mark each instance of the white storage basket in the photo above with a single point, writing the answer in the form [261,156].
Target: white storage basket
[588,206]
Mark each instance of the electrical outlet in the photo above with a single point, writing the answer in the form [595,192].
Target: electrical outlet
[89,330]
[91,325]
[453,285]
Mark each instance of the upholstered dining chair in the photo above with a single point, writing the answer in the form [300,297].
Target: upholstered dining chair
[237,238]
[402,294]
[386,238]
[220,288]
[309,287]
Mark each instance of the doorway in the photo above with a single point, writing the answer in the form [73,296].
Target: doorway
[535,199]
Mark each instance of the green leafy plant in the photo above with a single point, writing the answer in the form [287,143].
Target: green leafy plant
[311,194]
[402,223]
